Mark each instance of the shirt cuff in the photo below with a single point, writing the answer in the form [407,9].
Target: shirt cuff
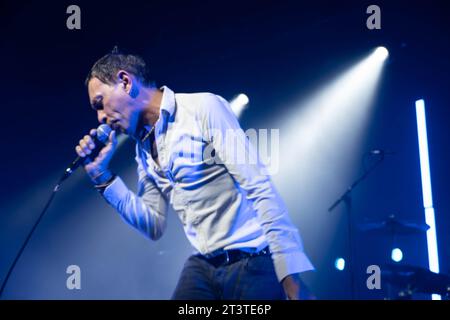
[290,263]
[115,192]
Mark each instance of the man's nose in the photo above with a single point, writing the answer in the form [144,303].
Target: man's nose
[101,116]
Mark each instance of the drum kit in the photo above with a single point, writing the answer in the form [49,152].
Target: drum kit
[409,280]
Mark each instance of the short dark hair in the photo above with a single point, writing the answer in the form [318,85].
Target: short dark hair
[106,68]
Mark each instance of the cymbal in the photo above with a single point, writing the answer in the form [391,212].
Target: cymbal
[394,226]
[416,279]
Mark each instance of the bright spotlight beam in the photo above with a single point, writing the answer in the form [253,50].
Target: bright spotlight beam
[328,126]
[320,144]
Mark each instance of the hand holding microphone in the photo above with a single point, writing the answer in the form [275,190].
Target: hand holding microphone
[97,149]
[95,152]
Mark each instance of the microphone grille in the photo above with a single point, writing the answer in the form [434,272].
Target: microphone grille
[103,132]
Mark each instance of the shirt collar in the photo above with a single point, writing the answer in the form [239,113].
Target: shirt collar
[167,104]
[168,100]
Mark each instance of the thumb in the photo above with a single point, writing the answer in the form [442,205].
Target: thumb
[109,148]
[113,138]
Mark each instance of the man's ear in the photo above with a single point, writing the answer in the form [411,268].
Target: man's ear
[124,80]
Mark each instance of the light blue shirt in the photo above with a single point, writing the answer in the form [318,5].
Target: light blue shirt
[222,201]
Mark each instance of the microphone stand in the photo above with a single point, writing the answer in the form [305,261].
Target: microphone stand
[104,130]
[346,197]
[22,248]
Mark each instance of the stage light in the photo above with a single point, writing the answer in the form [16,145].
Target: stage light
[433,257]
[396,255]
[321,139]
[239,103]
[339,264]
[381,53]
[242,99]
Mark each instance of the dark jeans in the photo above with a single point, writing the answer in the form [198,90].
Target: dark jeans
[251,278]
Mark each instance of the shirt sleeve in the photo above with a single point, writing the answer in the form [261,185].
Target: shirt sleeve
[146,210]
[234,150]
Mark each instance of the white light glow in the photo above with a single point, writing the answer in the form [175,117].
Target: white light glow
[381,53]
[396,255]
[239,103]
[433,257]
[339,264]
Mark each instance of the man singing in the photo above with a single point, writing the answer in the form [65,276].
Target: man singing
[246,246]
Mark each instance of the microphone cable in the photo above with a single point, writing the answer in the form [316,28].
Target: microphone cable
[47,205]
[103,133]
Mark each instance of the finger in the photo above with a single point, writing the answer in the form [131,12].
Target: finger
[113,138]
[82,143]
[84,147]
[93,132]
[89,142]
[80,152]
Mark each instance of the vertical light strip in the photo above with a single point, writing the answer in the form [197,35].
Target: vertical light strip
[433,258]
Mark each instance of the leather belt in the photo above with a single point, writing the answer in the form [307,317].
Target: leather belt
[227,257]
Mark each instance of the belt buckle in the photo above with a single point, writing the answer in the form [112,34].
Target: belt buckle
[227,257]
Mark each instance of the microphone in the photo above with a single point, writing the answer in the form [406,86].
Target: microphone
[381,152]
[100,140]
